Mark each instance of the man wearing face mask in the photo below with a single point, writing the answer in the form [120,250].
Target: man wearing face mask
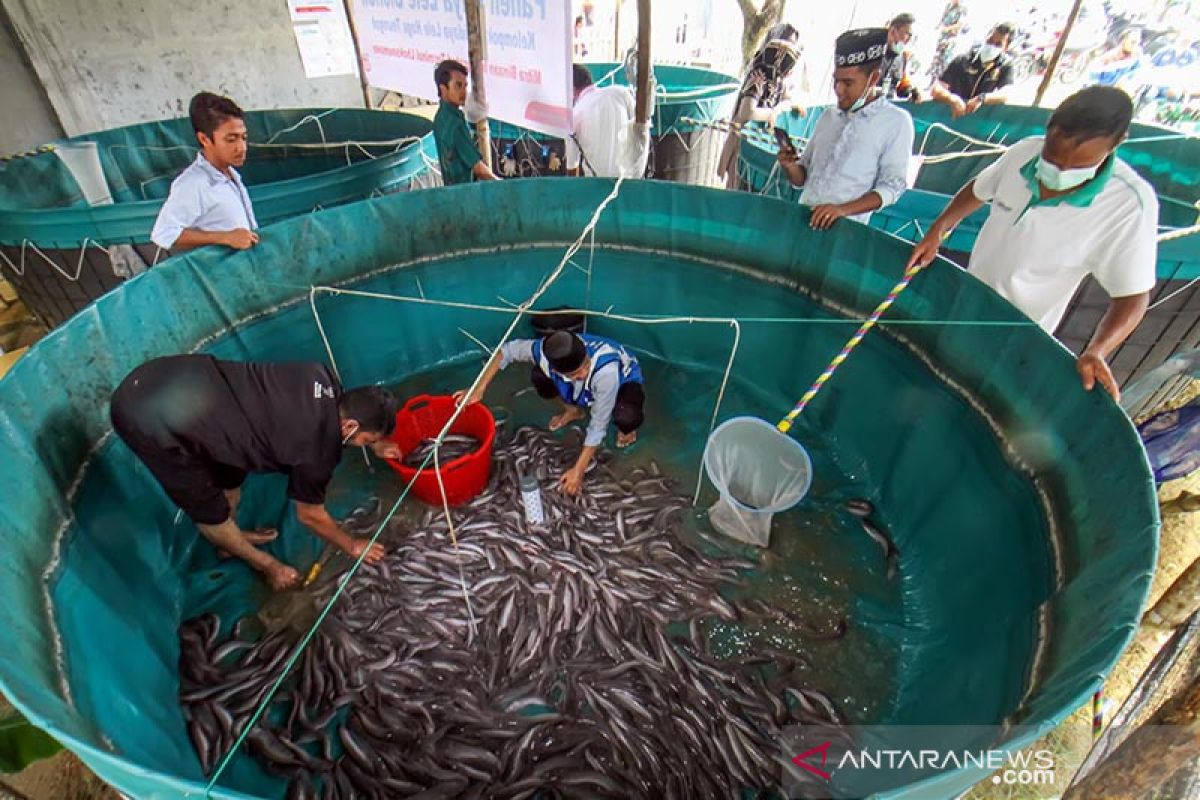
[1063,207]
[977,78]
[200,425]
[896,83]
[857,159]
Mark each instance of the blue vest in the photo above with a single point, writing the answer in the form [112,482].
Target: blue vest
[602,352]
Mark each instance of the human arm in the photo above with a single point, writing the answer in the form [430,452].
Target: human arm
[606,383]
[942,94]
[995,97]
[891,178]
[483,172]
[238,239]
[180,211]
[1120,320]
[314,517]
[796,172]
[1127,273]
[518,350]
[962,206]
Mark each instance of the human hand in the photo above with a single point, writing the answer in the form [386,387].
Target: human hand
[1094,369]
[824,215]
[571,481]
[957,107]
[386,448]
[241,239]
[375,552]
[973,105]
[465,397]
[925,250]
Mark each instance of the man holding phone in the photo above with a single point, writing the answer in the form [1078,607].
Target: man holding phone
[857,159]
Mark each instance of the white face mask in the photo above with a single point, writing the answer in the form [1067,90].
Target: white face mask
[898,48]
[990,52]
[862,100]
[1057,179]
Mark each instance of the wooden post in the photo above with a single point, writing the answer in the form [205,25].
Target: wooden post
[617,55]
[1178,602]
[1052,67]
[362,73]
[477,55]
[644,100]
[1152,754]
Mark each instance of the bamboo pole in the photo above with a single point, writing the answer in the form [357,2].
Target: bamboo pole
[1052,67]
[644,100]
[362,72]
[478,58]
[617,33]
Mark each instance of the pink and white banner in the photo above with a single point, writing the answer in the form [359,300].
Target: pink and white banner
[527,53]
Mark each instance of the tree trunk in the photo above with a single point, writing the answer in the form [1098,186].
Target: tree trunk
[756,22]
[475,51]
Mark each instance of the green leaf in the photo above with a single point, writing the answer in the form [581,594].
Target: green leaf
[21,744]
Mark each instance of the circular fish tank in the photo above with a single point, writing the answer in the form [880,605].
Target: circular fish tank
[1020,507]
[76,214]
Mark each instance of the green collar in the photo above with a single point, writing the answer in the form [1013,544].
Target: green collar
[1081,196]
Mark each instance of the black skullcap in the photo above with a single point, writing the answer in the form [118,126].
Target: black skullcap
[860,47]
[564,351]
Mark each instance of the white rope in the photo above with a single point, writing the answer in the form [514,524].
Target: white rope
[587,313]
[520,312]
[25,243]
[942,157]
[952,132]
[1178,233]
[308,118]
[1175,293]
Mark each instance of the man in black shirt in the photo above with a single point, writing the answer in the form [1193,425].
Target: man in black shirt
[978,77]
[200,425]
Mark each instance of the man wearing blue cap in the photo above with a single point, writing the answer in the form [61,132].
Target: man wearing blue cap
[584,372]
[857,159]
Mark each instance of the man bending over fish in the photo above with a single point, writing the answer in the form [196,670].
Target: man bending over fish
[200,425]
[583,372]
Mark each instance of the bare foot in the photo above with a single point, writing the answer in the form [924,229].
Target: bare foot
[626,439]
[281,577]
[568,416]
[261,536]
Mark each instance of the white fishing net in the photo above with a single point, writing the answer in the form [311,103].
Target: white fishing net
[759,472]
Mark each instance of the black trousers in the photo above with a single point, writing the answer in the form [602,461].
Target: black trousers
[628,414]
[196,484]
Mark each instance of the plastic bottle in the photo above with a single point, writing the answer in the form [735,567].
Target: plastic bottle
[531,497]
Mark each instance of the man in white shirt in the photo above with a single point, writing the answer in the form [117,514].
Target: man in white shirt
[857,159]
[1063,207]
[605,140]
[208,203]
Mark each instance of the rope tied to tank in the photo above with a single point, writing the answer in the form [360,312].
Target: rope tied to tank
[300,647]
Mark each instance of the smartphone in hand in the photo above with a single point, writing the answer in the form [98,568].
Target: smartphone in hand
[785,141]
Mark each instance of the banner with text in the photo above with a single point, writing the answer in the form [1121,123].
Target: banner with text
[527,53]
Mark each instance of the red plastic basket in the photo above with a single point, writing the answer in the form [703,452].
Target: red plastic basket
[423,417]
